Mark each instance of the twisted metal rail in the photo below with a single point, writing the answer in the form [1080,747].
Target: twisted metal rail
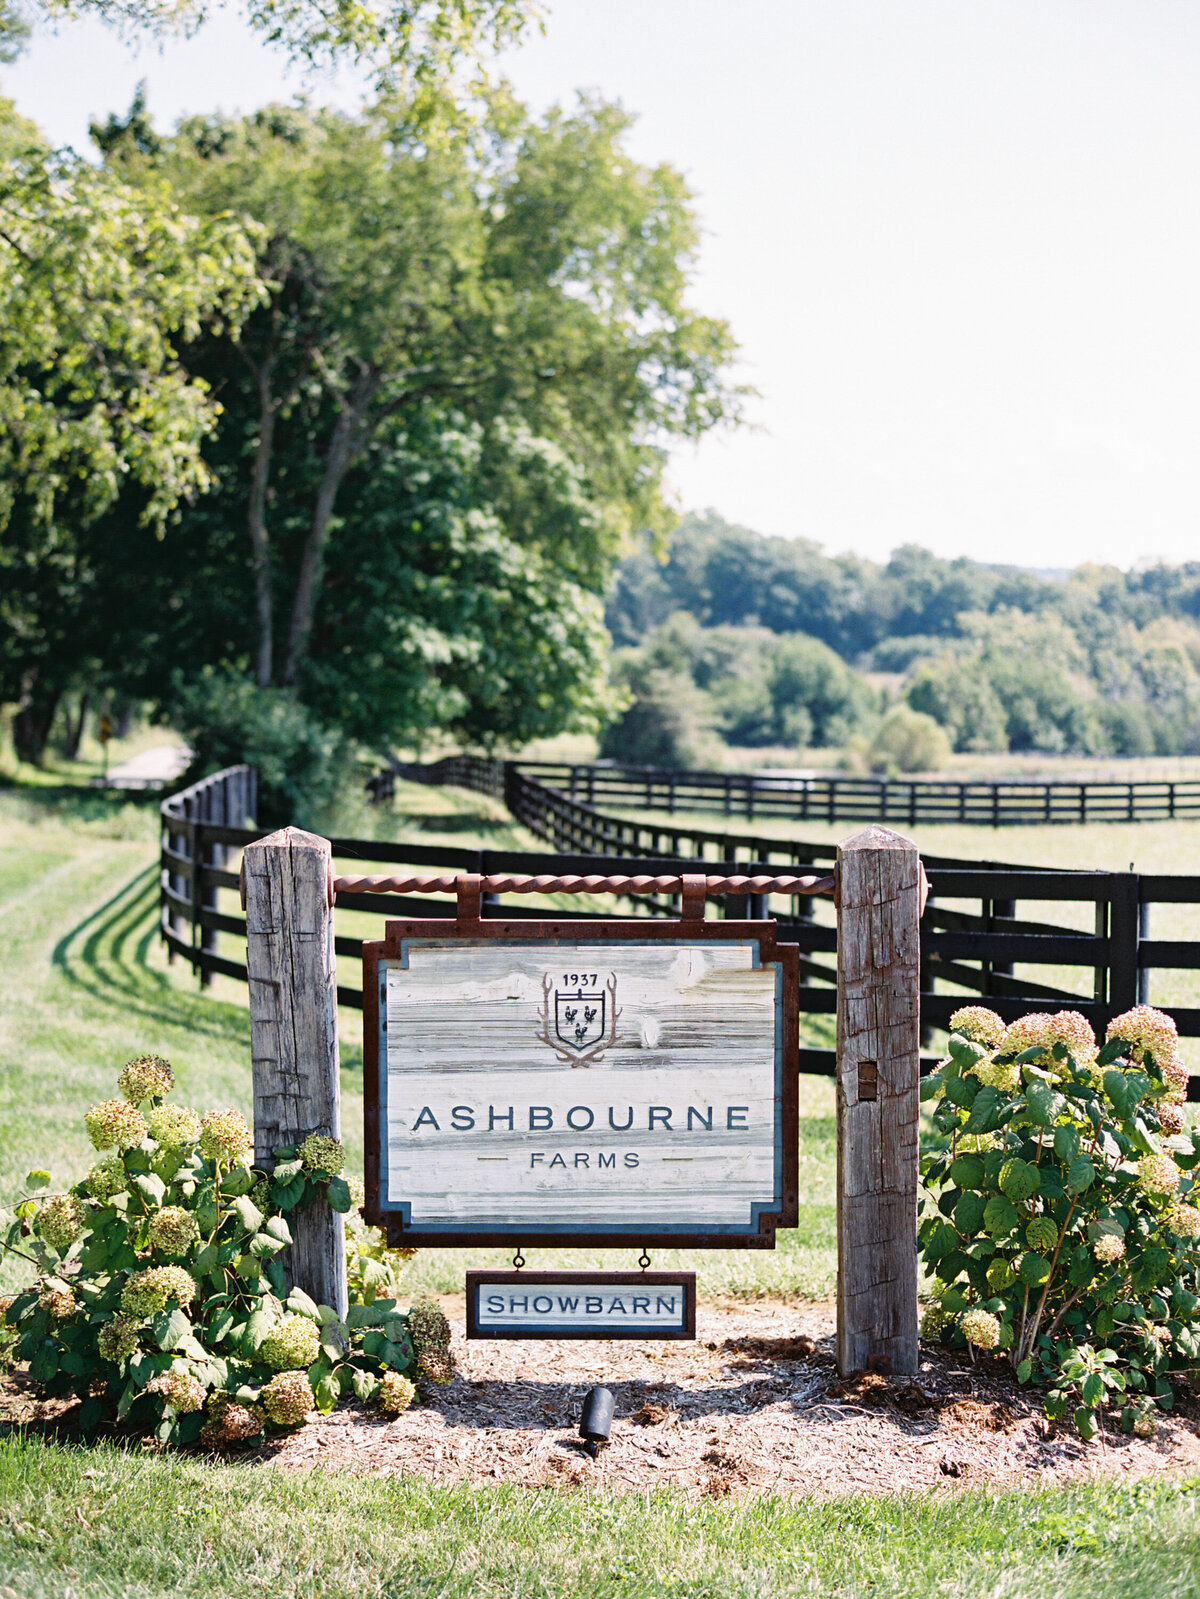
[571,883]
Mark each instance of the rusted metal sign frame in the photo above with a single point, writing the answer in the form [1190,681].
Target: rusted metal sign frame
[532,1278]
[470,928]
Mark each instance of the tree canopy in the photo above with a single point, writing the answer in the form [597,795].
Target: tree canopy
[1097,661]
[438,425]
[100,283]
[403,42]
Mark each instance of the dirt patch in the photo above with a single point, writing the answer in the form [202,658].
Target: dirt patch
[754,1405]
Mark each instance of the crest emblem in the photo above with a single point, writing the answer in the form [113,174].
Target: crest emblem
[584,1016]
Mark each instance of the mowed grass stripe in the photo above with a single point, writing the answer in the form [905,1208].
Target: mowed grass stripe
[106,1523]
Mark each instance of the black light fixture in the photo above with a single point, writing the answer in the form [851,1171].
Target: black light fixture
[595,1423]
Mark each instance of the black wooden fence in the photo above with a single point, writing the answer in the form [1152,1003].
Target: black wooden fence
[989,929]
[900,802]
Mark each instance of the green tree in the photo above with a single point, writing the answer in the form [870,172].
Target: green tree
[908,741]
[957,694]
[806,675]
[668,722]
[100,282]
[439,429]
[414,41]
[522,271]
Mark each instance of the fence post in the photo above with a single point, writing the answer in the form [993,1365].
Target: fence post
[1123,935]
[880,884]
[288,887]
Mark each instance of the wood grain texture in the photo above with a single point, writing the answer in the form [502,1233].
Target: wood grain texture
[878,1044]
[293,1032]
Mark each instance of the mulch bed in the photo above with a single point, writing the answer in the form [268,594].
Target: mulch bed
[753,1405]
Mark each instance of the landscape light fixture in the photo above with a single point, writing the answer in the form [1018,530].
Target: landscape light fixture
[595,1424]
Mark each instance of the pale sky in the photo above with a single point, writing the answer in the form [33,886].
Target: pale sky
[958,240]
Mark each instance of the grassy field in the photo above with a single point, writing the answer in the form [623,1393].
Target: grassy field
[114,1525]
[85,986]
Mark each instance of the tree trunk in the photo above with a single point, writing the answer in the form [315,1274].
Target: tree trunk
[349,434]
[34,719]
[260,539]
[75,734]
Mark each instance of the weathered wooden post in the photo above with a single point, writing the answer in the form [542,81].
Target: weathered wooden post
[878,1087]
[288,887]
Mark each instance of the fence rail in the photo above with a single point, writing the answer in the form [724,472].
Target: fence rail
[900,802]
[976,940]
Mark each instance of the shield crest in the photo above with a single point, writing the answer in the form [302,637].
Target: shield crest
[579,1018]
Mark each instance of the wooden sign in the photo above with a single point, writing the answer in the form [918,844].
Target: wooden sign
[581,1304]
[619,1082]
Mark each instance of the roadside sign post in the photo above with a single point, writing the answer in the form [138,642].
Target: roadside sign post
[622,1082]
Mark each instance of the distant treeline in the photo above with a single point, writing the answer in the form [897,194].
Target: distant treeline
[769,641]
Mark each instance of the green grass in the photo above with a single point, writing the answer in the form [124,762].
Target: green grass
[103,1523]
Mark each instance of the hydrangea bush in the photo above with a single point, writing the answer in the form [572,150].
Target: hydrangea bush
[1061,1223]
[160,1296]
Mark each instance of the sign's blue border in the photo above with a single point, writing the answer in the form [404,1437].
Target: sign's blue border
[527,1231]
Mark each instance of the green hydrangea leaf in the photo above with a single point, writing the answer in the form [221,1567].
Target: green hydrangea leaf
[930,1085]
[44,1364]
[1041,1233]
[338,1194]
[366,1385]
[258,1327]
[1111,1051]
[1140,1138]
[1018,1180]
[170,1327]
[151,1187]
[1126,1090]
[1000,1216]
[299,1301]
[962,1091]
[290,1194]
[966,1171]
[968,1213]
[248,1213]
[985,1111]
[1152,1268]
[1082,1267]
[1080,1175]
[965,1051]
[287,1169]
[1025,1371]
[942,1239]
[1066,1143]
[1033,1270]
[263,1246]
[1044,1103]
[38,1178]
[326,1393]
[398,1355]
[205,1261]
[1050,1184]
[240,1180]
[365,1316]
[1086,1422]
